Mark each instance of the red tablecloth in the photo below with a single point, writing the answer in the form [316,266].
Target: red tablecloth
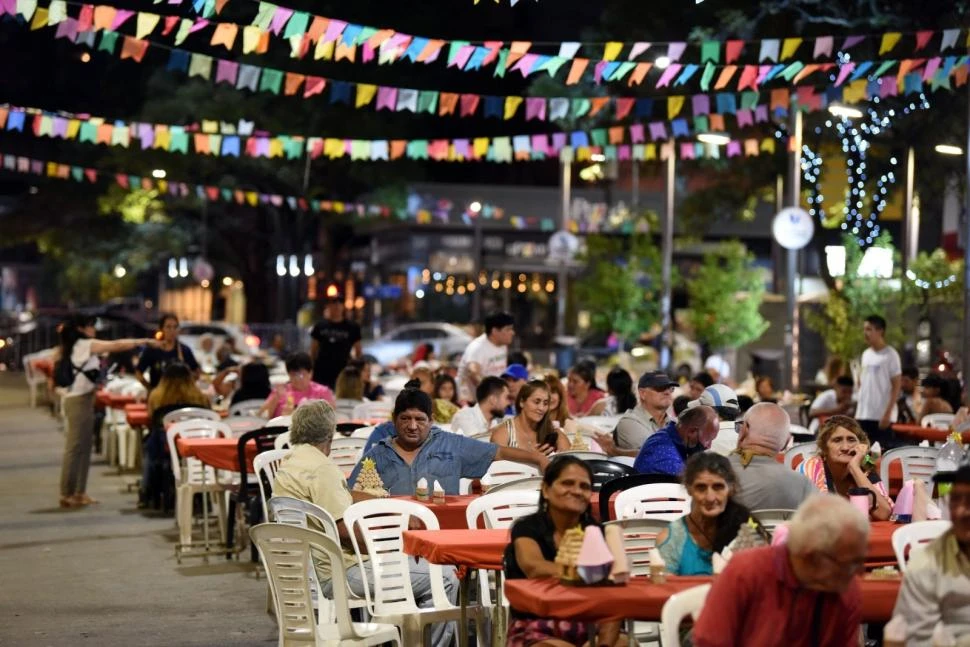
[472,548]
[217,452]
[918,433]
[640,599]
[451,513]
[136,415]
[43,365]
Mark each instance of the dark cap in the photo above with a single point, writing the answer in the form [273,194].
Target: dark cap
[655,380]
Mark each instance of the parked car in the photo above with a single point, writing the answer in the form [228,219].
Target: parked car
[245,343]
[643,353]
[448,340]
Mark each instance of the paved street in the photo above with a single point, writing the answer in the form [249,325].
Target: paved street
[104,575]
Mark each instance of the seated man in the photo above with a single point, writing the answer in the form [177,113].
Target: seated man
[936,587]
[655,392]
[766,484]
[932,386]
[307,473]
[492,395]
[832,402]
[803,592]
[667,451]
[725,403]
[387,429]
[417,450]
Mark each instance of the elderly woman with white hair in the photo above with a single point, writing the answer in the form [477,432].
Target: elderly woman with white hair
[308,473]
[766,484]
[801,592]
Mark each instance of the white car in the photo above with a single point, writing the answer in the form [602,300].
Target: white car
[246,343]
[401,342]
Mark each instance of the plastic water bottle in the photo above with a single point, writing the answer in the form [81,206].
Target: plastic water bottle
[949,459]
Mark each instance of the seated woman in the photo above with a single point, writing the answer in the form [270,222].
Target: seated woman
[443,410]
[531,427]
[564,497]
[688,544]
[581,387]
[446,389]
[350,392]
[252,383]
[560,413]
[843,463]
[285,399]
[765,389]
[933,402]
[619,385]
[372,390]
[176,390]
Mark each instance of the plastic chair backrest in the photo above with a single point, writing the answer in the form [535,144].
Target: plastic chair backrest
[190,413]
[639,536]
[287,552]
[193,466]
[625,483]
[504,471]
[265,440]
[280,421]
[527,483]
[265,465]
[804,451]
[772,518]
[937,420]
[282,441]
[368,410]
[605,470]
[242,424]
[381,524]
[501,509]
[246,408]
[910,536]
[918,463]
[362,432]
[346,452]
[664,501]
[679,606]
[584,455]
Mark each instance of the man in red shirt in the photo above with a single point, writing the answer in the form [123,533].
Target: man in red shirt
[801,593]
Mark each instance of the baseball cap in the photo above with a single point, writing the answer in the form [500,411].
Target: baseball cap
[716,395]
[655,380]
[516,372]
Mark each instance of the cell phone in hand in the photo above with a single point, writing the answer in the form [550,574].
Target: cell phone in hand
[551,439]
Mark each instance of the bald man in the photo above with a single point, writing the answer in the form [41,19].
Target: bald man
[766,483]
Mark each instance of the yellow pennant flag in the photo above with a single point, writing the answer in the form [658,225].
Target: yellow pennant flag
[146,24]
[73,126]
[650,152]
[275,147]
[789,47]
[480,147]
[40,19]
[365,94]
[225,34]
[323,50]
[889,41]
[163,138]
[855,92]
[512,104]
[250,39]
[768,145]
[674,106]
[51,169]
[612,51]
[162,186]
[210,126]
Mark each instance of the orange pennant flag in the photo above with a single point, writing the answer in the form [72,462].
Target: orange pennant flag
[104,134]
[201,143]
[398,147]
[639,73]
[134,48]
[446,103]
[808,69]
[597,104]
[616,135]
[220,4]
[348,52]
[433,47]
[725,77]
[293,83]
[104,16]
[518,49]
[576,71]
[317,28]
[225,34]
[717,122]
[380,38]
[263,46]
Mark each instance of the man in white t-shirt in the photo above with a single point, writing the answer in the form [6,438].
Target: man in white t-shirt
[493,398]
[487,354]
[879,384]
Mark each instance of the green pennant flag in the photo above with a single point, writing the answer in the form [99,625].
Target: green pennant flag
[707,77]
[622,71]
[503,56]
[711,51]
[610,152]
[227,194]
[794,68]
[209,9]
[701,124]
[88,132]
[215,144]
[553,65]
[264,16]
[884,68]
[178,140]
[598,136]
[428,101]
[272,80]
[109,40]
[77,173]
[365,35]
[580,107]
[417,149]
[297,24]
[134,182]
[749,100]
[293,148]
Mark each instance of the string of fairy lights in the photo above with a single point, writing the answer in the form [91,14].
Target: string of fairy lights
[450,284]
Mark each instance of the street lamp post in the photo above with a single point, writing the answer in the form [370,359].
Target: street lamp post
[563,278]
[667,259]
[791,302]
[966,265]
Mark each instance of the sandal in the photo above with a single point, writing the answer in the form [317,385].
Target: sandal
[68,502]
[84,499]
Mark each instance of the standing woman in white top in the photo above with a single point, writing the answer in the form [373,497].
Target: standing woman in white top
[80,348]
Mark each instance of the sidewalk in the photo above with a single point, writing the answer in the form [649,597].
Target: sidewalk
[106,574]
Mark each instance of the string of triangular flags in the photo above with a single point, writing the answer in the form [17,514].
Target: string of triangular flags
[421,213]
[93,18]
[616,142]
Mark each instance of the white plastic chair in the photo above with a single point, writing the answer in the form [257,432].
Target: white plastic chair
[772,518]
[501,509]
[190,413]
[585,455]
[907,538]
[362,432]
[266,465]
[639,536]
[504,471]
[918,463]
[679,606]
[242,424]
[280,421]
[805,450]
[662,501]
[937,420]
[346,452]
[285,552]
[246,408]
[527,483]
[282,441]
[369,410]
[193,477]
[381,524]
[34,377]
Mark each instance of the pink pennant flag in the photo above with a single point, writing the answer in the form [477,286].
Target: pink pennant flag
[668,76]
[121,16]
[386,98]
[636,134]
[461,58]
[598,71]
[526,63]
[67,28]
[469,104]
[762,73]
[749,78]
[623,153]
[658,130]
[888,87]
[637,49]
[535,108]
[91,175]
[540,144]
[733,148]
[367,51]
[687,151]
[852,41]
[170,22]
[226,72]
[922,39]
[844,72]
[745,118]
[932,66]
[493,46]
[280,18]
[675,51]
[463,149]
[334,29]
[200,23]
[823,46]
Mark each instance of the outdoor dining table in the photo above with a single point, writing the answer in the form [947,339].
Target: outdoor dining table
[451,513]
[920,433]
[219,453]
[640,599]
